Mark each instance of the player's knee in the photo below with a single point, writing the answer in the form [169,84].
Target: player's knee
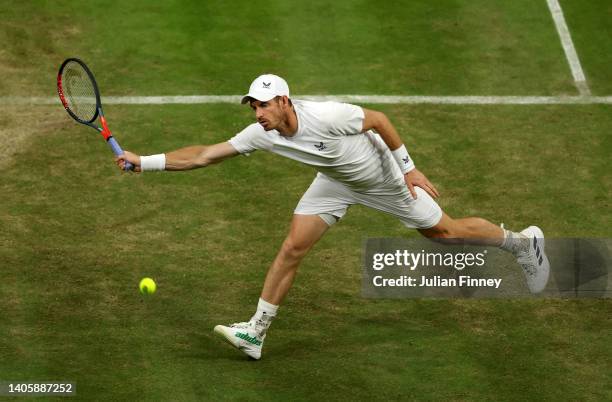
[294,248]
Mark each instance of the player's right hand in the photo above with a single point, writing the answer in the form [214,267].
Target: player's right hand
[130,157]
[416,178]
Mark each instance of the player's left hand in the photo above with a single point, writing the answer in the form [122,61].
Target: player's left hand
[416,178]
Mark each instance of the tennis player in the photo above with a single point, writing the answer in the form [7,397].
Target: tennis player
[360,159]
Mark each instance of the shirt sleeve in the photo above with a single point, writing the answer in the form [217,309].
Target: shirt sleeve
[345,119]
[250,139]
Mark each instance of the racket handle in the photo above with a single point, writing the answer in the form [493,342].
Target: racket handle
[112,142]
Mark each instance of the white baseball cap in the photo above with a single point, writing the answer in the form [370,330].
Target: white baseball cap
[266,87]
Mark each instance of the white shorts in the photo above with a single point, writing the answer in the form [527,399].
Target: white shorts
[326,197]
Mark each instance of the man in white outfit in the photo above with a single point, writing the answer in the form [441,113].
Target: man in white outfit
[360,159]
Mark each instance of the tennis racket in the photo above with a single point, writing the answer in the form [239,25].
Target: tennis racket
[78,91]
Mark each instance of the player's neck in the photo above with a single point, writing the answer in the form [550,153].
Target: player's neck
[289,127]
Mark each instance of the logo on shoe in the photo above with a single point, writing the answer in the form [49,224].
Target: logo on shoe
[537,249]
[249,339]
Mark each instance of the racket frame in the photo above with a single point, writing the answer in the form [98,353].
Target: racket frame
[104,130]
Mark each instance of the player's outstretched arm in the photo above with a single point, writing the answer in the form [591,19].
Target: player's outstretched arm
[187,158]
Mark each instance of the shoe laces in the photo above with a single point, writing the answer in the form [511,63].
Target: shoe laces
[242,325]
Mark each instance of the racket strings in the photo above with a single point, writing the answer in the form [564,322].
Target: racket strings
[79,91]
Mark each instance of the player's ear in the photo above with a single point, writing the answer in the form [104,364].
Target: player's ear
[284,100]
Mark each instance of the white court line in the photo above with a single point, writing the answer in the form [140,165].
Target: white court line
[568,47]
[388,99]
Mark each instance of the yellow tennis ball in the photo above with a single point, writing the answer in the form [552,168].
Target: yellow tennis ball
[147,286]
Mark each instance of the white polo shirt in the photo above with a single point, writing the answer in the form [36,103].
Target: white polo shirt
[330,139]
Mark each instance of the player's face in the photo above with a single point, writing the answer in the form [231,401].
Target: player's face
[269,114]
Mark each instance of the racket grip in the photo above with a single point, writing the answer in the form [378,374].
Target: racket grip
[112,142]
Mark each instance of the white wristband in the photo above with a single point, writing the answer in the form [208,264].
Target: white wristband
[403,160]
[153,162]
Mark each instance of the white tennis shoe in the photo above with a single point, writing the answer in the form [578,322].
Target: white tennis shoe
[243,336]
[534,261]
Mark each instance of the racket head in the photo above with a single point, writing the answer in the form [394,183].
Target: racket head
[78,91]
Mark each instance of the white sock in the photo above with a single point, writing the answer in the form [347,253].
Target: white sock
[514,243]
[264,315]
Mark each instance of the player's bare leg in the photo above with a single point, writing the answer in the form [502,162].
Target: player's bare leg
[527,246]
[479,230]
[248,336]
[305,231]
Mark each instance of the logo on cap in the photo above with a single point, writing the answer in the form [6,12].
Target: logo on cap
[266,86]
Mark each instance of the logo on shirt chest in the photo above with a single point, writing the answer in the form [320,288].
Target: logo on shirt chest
[320,146]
